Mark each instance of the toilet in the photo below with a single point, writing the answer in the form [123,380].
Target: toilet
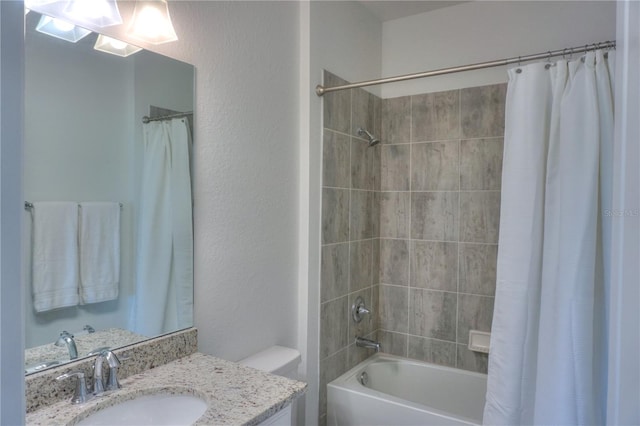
[280,361]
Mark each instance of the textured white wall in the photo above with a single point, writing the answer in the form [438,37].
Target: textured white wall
[346,40]
[480,31]
[245,170]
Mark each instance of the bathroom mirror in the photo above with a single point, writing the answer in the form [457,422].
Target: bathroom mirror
[85,142]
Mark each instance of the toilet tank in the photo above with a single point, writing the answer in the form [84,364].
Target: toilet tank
[275,360]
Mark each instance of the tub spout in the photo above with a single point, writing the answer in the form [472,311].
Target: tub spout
[367,343]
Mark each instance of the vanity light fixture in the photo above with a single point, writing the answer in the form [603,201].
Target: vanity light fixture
[151,22]
[101,13]
[61,29]
[115,47]
[31,4]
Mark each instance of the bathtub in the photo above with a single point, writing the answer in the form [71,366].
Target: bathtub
[400,391]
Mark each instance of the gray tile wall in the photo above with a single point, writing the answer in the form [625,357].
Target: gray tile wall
[410,225]
[350,229]
[441,164]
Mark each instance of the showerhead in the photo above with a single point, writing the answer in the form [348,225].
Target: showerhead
[372,141]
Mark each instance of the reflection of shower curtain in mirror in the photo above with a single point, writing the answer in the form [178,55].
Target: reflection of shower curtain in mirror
[164,277]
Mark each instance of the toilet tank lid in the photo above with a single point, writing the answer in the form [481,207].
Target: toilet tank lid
[275,358]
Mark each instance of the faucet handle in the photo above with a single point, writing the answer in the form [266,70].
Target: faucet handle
[362,310]
[112,381]
[111,358]
[98,350]
[61,338]
[80,395]
[98,381]
[358,309]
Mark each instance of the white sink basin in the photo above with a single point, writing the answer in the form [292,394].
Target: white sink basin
[158,409]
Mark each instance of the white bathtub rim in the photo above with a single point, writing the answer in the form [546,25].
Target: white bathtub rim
[349,382]
[381,356]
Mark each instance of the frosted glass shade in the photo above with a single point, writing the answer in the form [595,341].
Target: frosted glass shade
[61,29]
[30,4]
[101,13]
[151,22]
[115,47]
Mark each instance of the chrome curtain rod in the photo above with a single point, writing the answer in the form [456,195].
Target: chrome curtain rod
[146,119]
[321,90]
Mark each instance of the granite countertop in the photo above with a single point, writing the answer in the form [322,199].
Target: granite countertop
[235,394]
[85,343]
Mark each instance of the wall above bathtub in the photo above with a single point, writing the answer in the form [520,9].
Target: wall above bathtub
[480,31]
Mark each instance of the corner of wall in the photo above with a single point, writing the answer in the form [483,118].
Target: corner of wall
[12,403]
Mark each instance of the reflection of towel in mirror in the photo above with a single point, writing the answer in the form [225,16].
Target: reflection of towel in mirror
[99,251]
[55,255]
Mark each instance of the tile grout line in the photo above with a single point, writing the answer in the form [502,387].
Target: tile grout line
[477,243]
[349,283]
[409,244]
[421,336]
[356,189]
[377,125]
[429,191]
[321,325]
[459,221]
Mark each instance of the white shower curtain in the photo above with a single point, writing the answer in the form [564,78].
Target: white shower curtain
[547,362]
[164,289]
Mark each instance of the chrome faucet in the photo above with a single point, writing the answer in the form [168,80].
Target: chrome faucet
[98,380]
[66,338]
[367,343]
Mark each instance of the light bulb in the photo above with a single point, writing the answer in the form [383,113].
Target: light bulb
[90,9]
[101,13]
[61,29]
[149,23]
[62,25]
[116,44]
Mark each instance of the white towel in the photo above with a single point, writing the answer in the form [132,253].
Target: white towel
[99,251]
[55,255]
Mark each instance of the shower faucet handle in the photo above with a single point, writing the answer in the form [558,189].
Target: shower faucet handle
[358,309]
[362,310]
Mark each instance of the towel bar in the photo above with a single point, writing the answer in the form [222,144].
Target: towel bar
[29,206]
